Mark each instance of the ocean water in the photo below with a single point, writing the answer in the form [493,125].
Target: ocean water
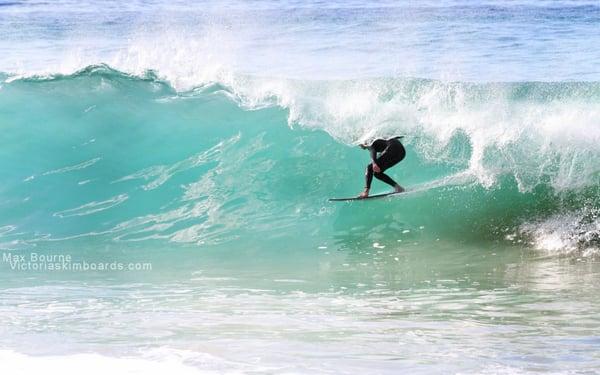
[166,168]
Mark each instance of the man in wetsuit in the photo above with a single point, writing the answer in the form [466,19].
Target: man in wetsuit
[391,152]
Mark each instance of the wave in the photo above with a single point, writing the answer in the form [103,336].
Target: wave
[248,157]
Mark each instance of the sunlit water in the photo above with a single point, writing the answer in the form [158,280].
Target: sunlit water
[198,144]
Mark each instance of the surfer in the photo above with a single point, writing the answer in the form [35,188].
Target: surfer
[391,152]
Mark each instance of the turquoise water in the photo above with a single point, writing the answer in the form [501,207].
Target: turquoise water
[167,168]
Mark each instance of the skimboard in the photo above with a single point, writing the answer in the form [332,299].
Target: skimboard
[374,196]
[454,180]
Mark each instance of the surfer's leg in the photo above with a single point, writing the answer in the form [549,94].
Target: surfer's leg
[388,180]
[389,158]
[392,156]
[386,161]
[385,178]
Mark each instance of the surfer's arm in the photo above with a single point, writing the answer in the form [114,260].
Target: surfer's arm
[373,154]
[377,144]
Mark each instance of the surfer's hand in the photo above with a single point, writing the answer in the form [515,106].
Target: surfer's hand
[376,168]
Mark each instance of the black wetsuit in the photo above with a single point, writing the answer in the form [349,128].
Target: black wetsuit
[391,153]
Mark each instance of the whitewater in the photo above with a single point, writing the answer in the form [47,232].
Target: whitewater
[167,167]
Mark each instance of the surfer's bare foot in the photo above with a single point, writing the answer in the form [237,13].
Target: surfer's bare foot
[364,194]
[398,189]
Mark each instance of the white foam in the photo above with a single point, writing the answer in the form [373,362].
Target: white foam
[95,364]
[71,168]
[563,234]
[92,207]
[534,140]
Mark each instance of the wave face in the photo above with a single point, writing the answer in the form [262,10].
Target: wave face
[103,157]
